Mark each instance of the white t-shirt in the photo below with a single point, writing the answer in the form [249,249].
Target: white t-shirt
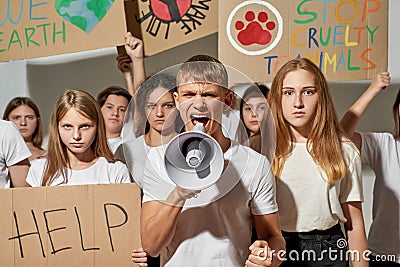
[135,156]
[114,143]
[12,150]
[230,124]
[214,229]
[305,200]
[101,172]
[382,153]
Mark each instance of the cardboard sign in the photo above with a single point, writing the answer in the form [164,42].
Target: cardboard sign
[88,225]
[347,39]
[164,24]
[37,28]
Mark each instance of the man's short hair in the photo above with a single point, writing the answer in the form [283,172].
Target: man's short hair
[112,90]
[203,68]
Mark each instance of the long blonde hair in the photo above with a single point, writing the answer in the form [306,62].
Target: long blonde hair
[57,157]
[324,142]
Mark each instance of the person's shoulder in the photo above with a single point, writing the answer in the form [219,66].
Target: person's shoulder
[349,147]
[241,152]
[4,122]
[378,137]
[4,125]
[385,135]
[377,134]
[10,132]
[38,163]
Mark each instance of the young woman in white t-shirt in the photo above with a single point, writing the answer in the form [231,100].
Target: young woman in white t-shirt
[317,170]
[78,152]
[24,113]
[155,121]
[381,151]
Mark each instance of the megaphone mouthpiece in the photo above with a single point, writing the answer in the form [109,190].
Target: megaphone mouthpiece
[192,152]
[194,158]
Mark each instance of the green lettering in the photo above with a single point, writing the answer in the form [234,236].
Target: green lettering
[29,32]
[63,32]
[349,60]
[372,32]
[1,40]
[44,31]
[313,15]
[328,37]
[12,41]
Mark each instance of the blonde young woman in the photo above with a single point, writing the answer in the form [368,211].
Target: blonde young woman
[78,152]
[318,173]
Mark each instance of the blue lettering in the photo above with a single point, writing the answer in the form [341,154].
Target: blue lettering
[269,58]
[326,8]
[311,36]
[8,14]
[321,57]
[337,33]
[341,61]
[31,6]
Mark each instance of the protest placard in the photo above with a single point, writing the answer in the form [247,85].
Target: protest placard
[86,225]
[166,24]
[347,39]
[37,28]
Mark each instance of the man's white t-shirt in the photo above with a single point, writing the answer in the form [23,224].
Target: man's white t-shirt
[135,156]
[101,172]
[13,150]
[214,229]
[114,143]
[382,153]
[306,201]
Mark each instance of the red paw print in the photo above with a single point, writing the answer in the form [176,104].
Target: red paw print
[254,33]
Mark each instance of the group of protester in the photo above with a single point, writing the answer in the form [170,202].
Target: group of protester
[313,174]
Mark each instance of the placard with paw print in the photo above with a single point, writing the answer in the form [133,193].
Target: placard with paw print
[347,39]
[30,29]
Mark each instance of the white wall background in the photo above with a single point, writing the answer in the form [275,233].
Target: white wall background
[45,78]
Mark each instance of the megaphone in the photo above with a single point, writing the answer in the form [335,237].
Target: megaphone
[194,160]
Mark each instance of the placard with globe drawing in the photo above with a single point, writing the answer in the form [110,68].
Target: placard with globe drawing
[30,29]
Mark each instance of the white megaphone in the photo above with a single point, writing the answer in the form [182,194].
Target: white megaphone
[194,160]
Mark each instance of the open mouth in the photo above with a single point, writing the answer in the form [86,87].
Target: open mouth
[199,119]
